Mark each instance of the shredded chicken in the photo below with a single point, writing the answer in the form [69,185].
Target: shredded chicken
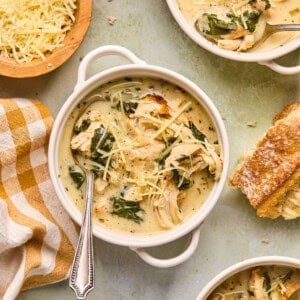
[247,42]
[100,185]
[256,285]
[180,152]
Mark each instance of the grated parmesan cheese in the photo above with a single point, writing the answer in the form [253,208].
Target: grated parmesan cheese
[30,29]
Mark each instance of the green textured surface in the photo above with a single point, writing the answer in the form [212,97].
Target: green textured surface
[243,92]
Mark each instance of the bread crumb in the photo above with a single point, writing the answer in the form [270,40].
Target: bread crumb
[112,20]
[50,65]
[294,11]
[265,240]
[251,124]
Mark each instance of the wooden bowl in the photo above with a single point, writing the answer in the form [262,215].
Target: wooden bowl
[73,39]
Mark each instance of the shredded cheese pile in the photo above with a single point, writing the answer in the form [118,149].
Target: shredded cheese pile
[31,28]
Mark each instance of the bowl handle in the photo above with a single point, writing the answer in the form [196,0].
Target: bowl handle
[100,52]
[171,262]
[280,69]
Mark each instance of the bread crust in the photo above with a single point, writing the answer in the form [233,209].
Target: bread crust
[273,168]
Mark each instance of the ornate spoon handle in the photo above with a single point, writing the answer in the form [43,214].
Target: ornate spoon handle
[82,277]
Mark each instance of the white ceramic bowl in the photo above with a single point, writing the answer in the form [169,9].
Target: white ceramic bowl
[84,87]
[244,265]
[263,58]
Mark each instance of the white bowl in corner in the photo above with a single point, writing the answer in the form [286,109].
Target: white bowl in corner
[263,58]
[244,265]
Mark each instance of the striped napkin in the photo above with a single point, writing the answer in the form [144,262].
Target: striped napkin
[37,237]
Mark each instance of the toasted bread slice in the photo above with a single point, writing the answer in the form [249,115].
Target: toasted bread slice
[270,176]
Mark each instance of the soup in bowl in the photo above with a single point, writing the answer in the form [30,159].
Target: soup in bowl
[154,152]
[157,147]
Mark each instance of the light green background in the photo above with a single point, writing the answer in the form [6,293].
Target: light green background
[243,92]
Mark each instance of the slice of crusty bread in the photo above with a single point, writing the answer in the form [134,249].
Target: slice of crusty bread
[273,169]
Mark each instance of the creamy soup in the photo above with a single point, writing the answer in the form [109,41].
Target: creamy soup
[237,25]
[261,283]
[153,150]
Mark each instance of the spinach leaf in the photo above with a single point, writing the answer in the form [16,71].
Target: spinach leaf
[97,171]
[251,19]
[217,26]
[130,97]
[181,182]
[196,132]
[126,209]
[83,126]
[267,282]
[102,140]
[129,107]
[287,276]
[235,19]
[77,175]
[166,151]
[267,3]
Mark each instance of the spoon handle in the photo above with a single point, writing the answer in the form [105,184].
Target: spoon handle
[82,274]
[286,27]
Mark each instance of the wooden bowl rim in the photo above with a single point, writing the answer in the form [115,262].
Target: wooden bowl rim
[73,39]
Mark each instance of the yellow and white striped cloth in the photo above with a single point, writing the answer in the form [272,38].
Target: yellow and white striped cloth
[37,237]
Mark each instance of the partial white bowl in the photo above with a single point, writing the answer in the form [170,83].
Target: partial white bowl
[245,265]
[84,87]
[264,58]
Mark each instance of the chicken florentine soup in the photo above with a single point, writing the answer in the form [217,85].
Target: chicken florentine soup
[153,149]
[237,25]
[260,283]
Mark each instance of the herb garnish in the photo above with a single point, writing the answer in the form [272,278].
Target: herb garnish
[126,209]
[77,175]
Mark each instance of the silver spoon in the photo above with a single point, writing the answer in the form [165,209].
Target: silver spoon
[262,32]
[82,277]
